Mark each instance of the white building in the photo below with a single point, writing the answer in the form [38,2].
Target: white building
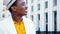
[44,12]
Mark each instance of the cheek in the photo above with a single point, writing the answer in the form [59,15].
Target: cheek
[21,10]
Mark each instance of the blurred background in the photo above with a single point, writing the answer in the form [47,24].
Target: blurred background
[45,14]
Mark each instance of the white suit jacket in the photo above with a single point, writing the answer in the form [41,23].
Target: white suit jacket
[29,26]
[7,26]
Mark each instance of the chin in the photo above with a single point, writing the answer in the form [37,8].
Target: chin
[25,14]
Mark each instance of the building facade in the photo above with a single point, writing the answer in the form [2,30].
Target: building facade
[45,15]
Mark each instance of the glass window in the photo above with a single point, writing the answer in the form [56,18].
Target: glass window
[38,21]
[38,6]
[32,17]
[46,17]
[26,1]
[46,4]
[46,28]
[31,1]
[55,20]
[54,2]
[32,8]
[38,16]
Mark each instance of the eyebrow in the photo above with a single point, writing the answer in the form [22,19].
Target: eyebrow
[23,3]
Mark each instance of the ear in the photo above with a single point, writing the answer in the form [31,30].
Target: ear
[13,8]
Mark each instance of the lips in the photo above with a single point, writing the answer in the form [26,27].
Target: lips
[25,12]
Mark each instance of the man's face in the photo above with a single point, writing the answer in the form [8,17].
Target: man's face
[20,8]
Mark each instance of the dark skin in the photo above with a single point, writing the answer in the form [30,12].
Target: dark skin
[19,10]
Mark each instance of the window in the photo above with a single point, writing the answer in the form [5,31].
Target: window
[31,1]
[38,6]
[32,8]
[55,20]
[46,28]
[46,17]
[32,17]
[38,21]
[26,1]
[54,2]
[38,16]
[46,4]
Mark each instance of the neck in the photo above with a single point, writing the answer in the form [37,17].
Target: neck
[17,18]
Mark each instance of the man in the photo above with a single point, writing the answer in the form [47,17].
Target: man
[18,10]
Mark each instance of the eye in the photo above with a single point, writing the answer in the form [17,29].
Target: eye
[23,3]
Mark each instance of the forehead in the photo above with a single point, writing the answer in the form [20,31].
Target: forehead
[20,0]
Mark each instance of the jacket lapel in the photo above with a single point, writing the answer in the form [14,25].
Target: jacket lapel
[29,27]
[26,26]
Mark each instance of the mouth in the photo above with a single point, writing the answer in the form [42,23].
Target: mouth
[26,12]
